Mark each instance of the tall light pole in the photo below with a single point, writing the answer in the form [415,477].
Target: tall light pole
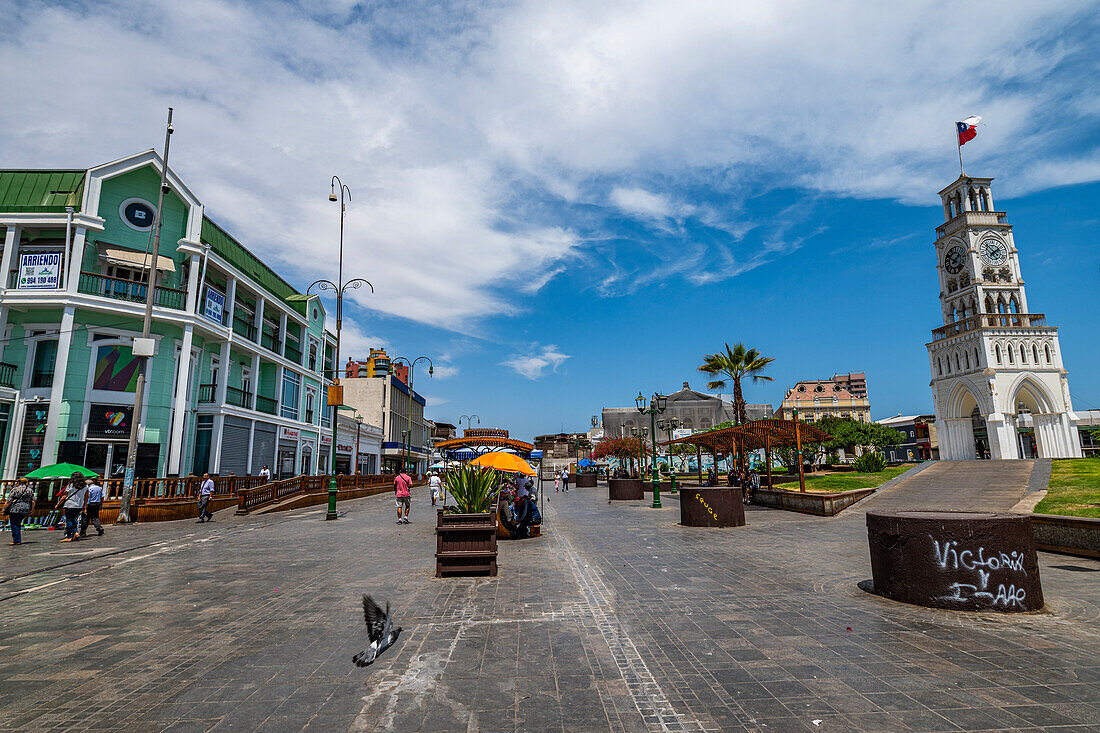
[640,434]
[335,396]
[358,425]
[469,420]
[670,425]
[655,407]
[143,348]
[412,368]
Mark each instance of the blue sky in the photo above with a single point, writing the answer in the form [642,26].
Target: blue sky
[565,203]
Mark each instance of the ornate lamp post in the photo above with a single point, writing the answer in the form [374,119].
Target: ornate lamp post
[655,407]
[358,425]
[640,434]
[469,420]
[336,394]
[412,369]
[670,425]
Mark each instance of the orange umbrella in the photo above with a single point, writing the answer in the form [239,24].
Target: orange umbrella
[508,462]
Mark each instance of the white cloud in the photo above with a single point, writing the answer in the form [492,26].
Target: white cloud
[537,364]
[445,371]
[444,119]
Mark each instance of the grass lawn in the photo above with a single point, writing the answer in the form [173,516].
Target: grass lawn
[1074,488]
[842,481]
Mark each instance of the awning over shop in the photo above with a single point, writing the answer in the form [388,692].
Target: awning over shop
[132,258]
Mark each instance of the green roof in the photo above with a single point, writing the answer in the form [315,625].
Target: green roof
[40,191]
[234,253]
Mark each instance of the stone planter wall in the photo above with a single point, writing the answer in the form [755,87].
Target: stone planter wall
[466,544]
[624,489]
[1069,535]
[809,502]
[965,561]
[711,507]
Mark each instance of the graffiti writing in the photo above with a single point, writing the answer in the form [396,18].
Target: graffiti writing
[706,506]
[949,555]
[1008,597]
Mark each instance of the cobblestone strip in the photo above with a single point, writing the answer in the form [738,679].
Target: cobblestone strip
[652,703]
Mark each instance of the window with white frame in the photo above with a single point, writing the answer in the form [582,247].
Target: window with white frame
[292,385]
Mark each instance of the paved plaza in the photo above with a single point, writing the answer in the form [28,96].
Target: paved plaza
[615,619]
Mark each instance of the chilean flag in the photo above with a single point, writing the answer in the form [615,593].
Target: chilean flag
[968,129]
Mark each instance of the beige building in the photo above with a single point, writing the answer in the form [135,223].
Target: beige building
[387,401]
[840,396]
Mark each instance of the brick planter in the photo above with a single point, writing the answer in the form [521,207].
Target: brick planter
[624,489]
[809,502]
[711,507]
[586,480]
[465,544]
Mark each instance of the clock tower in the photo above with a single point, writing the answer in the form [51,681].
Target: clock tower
[999,386]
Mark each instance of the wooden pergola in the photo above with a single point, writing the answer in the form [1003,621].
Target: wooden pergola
[766,434]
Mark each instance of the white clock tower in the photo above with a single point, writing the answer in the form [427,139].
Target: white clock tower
[999,386]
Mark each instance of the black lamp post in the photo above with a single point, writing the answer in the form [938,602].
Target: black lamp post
[412,368]
[655,407]
[470,419]
[358,425]
[336,399]
[670,425]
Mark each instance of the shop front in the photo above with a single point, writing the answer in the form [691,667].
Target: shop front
[286,452]
[107,443]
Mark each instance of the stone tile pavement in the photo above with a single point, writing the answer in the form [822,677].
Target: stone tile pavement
[616,619]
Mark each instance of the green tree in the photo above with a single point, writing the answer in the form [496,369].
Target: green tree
[736,364]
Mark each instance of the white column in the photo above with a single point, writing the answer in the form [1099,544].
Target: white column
[255,381]
[231,300]
[76,260]
[251,437]
[11,249]
[223,383]
[282,334]
[964,195]
[60,369]
[193,283]
[219,400]
[258,317]
[180,406]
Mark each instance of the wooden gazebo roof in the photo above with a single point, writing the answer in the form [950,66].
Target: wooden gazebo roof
[481,442]
[752,435]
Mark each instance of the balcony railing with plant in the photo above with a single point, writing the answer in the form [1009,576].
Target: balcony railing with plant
[92,283]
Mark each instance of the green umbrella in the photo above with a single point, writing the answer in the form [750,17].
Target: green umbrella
[61,470]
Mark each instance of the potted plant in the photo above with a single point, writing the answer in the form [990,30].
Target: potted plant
[626,450]
[466,534]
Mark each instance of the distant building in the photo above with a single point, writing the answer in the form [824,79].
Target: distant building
[817,398]
[377,364]
[920,443]
[1088,428]
[560,445]
[695,411]
[388,402]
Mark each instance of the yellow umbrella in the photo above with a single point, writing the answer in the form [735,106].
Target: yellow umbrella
[504,462]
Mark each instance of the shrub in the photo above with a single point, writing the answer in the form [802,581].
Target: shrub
[473,488]
[870,462]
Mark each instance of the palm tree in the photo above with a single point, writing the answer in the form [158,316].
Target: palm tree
[736,364]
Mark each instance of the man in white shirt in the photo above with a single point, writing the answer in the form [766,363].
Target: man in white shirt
[265,474]
[91,510]
[74,498]
[206,491]
[435,484]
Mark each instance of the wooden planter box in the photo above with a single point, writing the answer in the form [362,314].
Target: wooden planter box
[465,544]
[624,489]
[586,480]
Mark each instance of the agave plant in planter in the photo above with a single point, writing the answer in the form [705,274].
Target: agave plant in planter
[466,538]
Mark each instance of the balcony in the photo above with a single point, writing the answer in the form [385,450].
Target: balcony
[990,320]
[270,341]
[292,353]
[242,327]
[92,283]
[7,375]
[972,218]
[207,393]
[266,404]
[238,397]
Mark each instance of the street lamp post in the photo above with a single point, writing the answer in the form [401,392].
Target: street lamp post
[412,369]
[655,407]
[469,420]
[640,433]
[335,397]
[358,425]
[670,425]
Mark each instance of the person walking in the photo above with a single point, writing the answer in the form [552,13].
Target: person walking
[265,474]
[91,511]
[565,479]
[557,480]
[402,491]
[20,505]
[434,484]
[206,491]
[74,498]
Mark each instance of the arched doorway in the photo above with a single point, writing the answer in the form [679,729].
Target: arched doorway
[963,434]
[981,434]
[1031,408]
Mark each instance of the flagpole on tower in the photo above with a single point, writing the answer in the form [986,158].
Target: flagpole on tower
[960,147]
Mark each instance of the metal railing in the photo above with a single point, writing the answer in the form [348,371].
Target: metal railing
[266,404]
[292,352]
[7,375]
[244,328]
[238,397]
[249,499]
[207,393]
[990,320]
[92,283]
[270,341]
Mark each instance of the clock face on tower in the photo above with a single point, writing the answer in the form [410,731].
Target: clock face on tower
[954,260]
[993,252]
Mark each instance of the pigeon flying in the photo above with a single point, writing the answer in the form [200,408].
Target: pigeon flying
[380,632]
